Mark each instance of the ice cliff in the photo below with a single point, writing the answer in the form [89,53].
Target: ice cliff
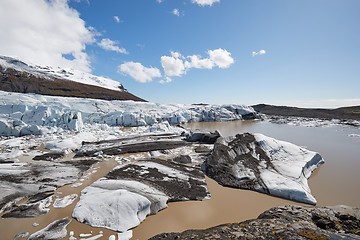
[25,114]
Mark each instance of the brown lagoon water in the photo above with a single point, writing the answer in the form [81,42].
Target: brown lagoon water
[336,182]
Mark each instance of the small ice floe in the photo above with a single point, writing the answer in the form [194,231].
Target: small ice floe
[54,231]
[21,235]
[90,237]
[72,235]
[65,201]
[353,135]
[77,184]
[35,224]
[125,235]
[83,235]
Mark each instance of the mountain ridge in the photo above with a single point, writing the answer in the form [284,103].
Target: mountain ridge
[347,113]
[17,76]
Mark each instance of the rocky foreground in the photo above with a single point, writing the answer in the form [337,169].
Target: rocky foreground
[285,222]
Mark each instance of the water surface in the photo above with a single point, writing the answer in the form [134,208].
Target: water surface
[336,182]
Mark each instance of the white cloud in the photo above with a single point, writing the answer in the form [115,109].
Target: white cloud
[173,65]
[205,2]
[79,1]
[43,31]
[176,12]
[197,62]
[166,80]
[177,65]
[117,19]
[259,53]
[221,58]
[110,45]
[139,72]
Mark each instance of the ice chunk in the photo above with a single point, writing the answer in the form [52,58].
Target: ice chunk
[54,231]
[65,201]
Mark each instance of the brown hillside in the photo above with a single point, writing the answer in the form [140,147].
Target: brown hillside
[346,113]
[23,82]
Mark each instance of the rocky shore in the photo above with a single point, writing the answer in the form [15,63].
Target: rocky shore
[285,222]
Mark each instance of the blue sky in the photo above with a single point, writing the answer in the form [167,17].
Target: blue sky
[302,53]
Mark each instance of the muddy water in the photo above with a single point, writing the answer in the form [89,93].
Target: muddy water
[336,182]
[12,226]
[225,206]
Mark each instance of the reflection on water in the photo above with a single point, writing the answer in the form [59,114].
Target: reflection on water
[336,182]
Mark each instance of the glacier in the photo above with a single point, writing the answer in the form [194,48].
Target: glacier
[31,114]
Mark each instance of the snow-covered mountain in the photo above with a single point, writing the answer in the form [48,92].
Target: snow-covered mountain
[18,76]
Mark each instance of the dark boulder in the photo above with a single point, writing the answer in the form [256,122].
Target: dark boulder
[203,137]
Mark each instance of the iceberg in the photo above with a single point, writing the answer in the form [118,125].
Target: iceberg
[260,163]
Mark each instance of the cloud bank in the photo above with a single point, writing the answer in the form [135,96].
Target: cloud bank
[139,72]
[44,31]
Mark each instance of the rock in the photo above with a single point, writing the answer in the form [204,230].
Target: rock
[136,144]
[203,137]
[126,195]
[285,222]
[182,159]
[49,156]
[263,164]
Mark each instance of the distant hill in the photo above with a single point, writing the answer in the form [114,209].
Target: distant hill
[347,113]
[17,76]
